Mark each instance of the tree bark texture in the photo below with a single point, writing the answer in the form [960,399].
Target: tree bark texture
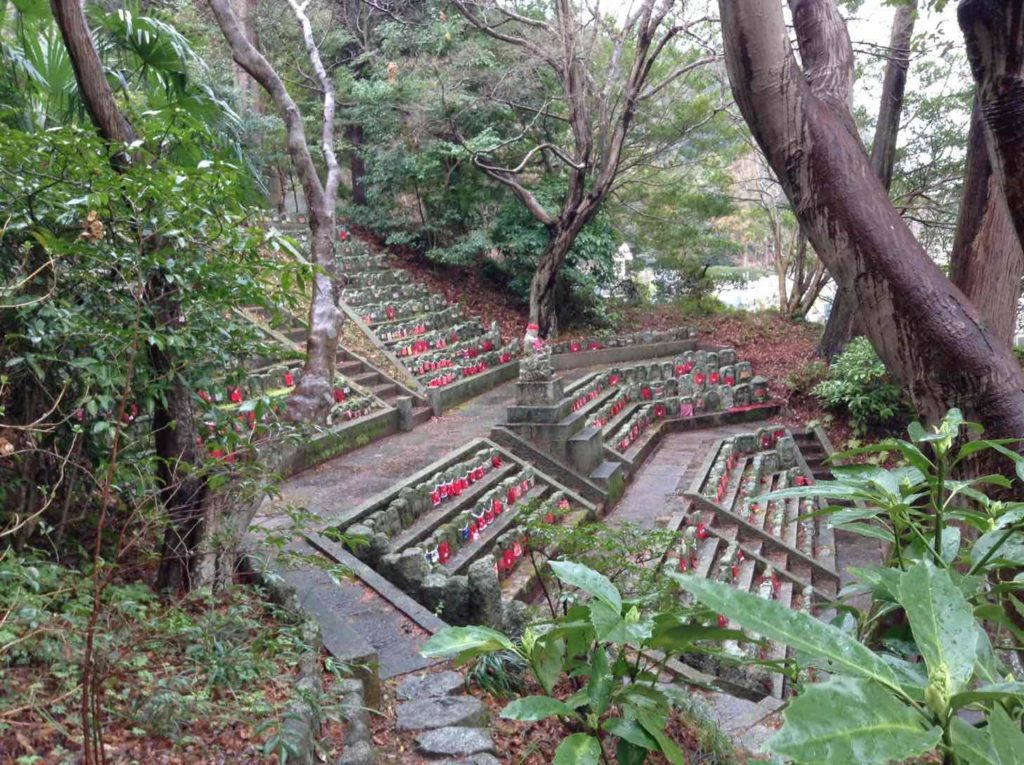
[312,397]
[356,163]
[841,325]
[89,74]
[987,262]
[931,338]
[352,12]
[994,33]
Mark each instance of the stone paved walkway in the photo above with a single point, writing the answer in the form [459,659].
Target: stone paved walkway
[349,480]
[653,494]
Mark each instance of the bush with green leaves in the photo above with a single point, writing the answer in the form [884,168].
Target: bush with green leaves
[598,666]
[859,385]
[928,650]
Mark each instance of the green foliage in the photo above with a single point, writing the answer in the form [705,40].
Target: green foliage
[77,275]
[613,702]
[805,379]
[839,720]
[206,659]
[859,385]
[498,674]
[943,622]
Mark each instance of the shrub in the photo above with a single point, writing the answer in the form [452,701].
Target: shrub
[938,684]
[805,378]
[859,385]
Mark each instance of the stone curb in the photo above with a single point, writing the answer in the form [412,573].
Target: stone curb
[301,728]
[358,745]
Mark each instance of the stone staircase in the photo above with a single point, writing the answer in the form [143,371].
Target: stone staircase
[815,448]
[286,328]
[602,426]
[363,373]
[417,328]
[772,549]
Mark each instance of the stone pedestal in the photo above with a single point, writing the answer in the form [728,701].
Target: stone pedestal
[404,406]
[542,393]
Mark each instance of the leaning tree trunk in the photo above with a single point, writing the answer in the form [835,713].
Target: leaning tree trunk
[931,338]
[987,262]
[311,398]
[841,325]
[544,285]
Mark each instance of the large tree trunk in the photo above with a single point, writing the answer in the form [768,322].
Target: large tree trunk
[931,338]
[841,325]
[987,262]
[544,285]
[182,485]
[311,398]
[994,32]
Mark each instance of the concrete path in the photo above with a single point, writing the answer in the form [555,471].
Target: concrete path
[653,494]
[350,479]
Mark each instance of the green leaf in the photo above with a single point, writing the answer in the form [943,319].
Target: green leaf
[1011,550]
[848,721]
[991,692]
[631,731]
[628,753]
[998,744]
[590,581]
[942,622]
[681,637]
[465,643]
[668,747]
[599,689]
[883,581]
[547,661]
[800,631]
[578,749]
[532,708]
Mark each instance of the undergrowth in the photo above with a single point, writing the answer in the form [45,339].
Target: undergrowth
[207,671]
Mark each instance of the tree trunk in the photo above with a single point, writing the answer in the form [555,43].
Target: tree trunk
[183,488]
[311,398]
[931,338]
[544,285]
[182,485]
[994,33]
[987,262]
[356,164]
[841,325]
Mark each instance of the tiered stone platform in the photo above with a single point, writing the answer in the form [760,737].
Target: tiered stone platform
[599,429]
[440,510]
[451,358]
[776,549]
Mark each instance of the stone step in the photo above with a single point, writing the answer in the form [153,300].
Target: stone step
[455,741]
[426,523]
[585,450]
[384,390]
[431,686]
[465,557]
[445,712]
[366,379]
[350,368]
[297,335]
[421,414]
[608,472]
